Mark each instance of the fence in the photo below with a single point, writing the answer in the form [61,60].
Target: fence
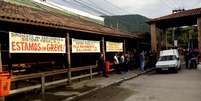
[43,84]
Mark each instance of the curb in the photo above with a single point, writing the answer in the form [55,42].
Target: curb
[101,87]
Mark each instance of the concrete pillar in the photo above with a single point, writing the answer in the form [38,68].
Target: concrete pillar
[153,37]
[199,32]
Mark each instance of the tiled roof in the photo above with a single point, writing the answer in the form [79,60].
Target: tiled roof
[21,14]
[186,13]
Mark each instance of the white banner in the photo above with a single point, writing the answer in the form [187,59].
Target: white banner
[26,43]
[114,46]
[85,46]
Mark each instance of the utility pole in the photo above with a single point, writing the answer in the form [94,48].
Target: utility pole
[117,25]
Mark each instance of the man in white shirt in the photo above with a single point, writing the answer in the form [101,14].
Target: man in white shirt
[116,62]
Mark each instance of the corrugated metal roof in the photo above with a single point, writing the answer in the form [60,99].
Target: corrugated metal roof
[21,14]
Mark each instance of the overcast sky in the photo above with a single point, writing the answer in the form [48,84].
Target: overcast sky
[148,8]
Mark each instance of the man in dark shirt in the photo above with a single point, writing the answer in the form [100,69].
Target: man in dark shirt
[101,65]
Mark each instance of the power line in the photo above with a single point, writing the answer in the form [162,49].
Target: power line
[109,15]
[173,3]
[168,4]
[93,4]
[119,9]
[177,2]
[95,7]
[197,3]
[137,10]
[86,6]
[91,7]
[181,3]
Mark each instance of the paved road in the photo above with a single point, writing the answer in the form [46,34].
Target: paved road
[183,86]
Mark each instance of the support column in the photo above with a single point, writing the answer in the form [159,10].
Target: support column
[68,57]
[2,98]
[43,84]
[160,39]
[1,67]
[173,35]
[103,46]
[124,46]
[164,38]
[153,37]
[166,41]
[199,32]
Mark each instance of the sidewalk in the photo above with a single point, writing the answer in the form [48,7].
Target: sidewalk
[77,89]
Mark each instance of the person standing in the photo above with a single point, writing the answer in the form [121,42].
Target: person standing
[116,63]
[142,60]
[187,58]
[122,61]
[101,65]
[126,62]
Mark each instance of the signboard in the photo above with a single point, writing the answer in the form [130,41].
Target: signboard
[85,46]
[26,43]
[114,46]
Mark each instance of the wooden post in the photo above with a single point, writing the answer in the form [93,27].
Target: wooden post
[1,67]
[160,39]
[2,98]
[103,47]
[91,71]
[173,35]
[199,32]
[153,37]
[10,63]
[166,41]
[124,46]
[43,85]
[164,38]
[68,57]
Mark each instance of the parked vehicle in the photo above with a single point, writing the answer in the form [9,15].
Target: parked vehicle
[168,60]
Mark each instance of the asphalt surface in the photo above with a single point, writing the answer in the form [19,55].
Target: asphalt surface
[182,86]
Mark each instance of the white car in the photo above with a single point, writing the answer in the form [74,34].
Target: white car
[168,60]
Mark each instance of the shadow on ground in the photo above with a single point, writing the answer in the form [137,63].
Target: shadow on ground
[55,94]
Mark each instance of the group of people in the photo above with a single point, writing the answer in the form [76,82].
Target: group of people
[125,61]
[191,58]
[121,62]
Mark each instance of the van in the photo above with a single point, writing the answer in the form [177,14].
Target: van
[168,60]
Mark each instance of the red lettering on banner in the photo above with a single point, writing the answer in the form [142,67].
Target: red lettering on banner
[54,47]
[26,46]
[18,46]
[13,45]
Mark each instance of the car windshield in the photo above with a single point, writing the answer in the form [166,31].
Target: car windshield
[167,58]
